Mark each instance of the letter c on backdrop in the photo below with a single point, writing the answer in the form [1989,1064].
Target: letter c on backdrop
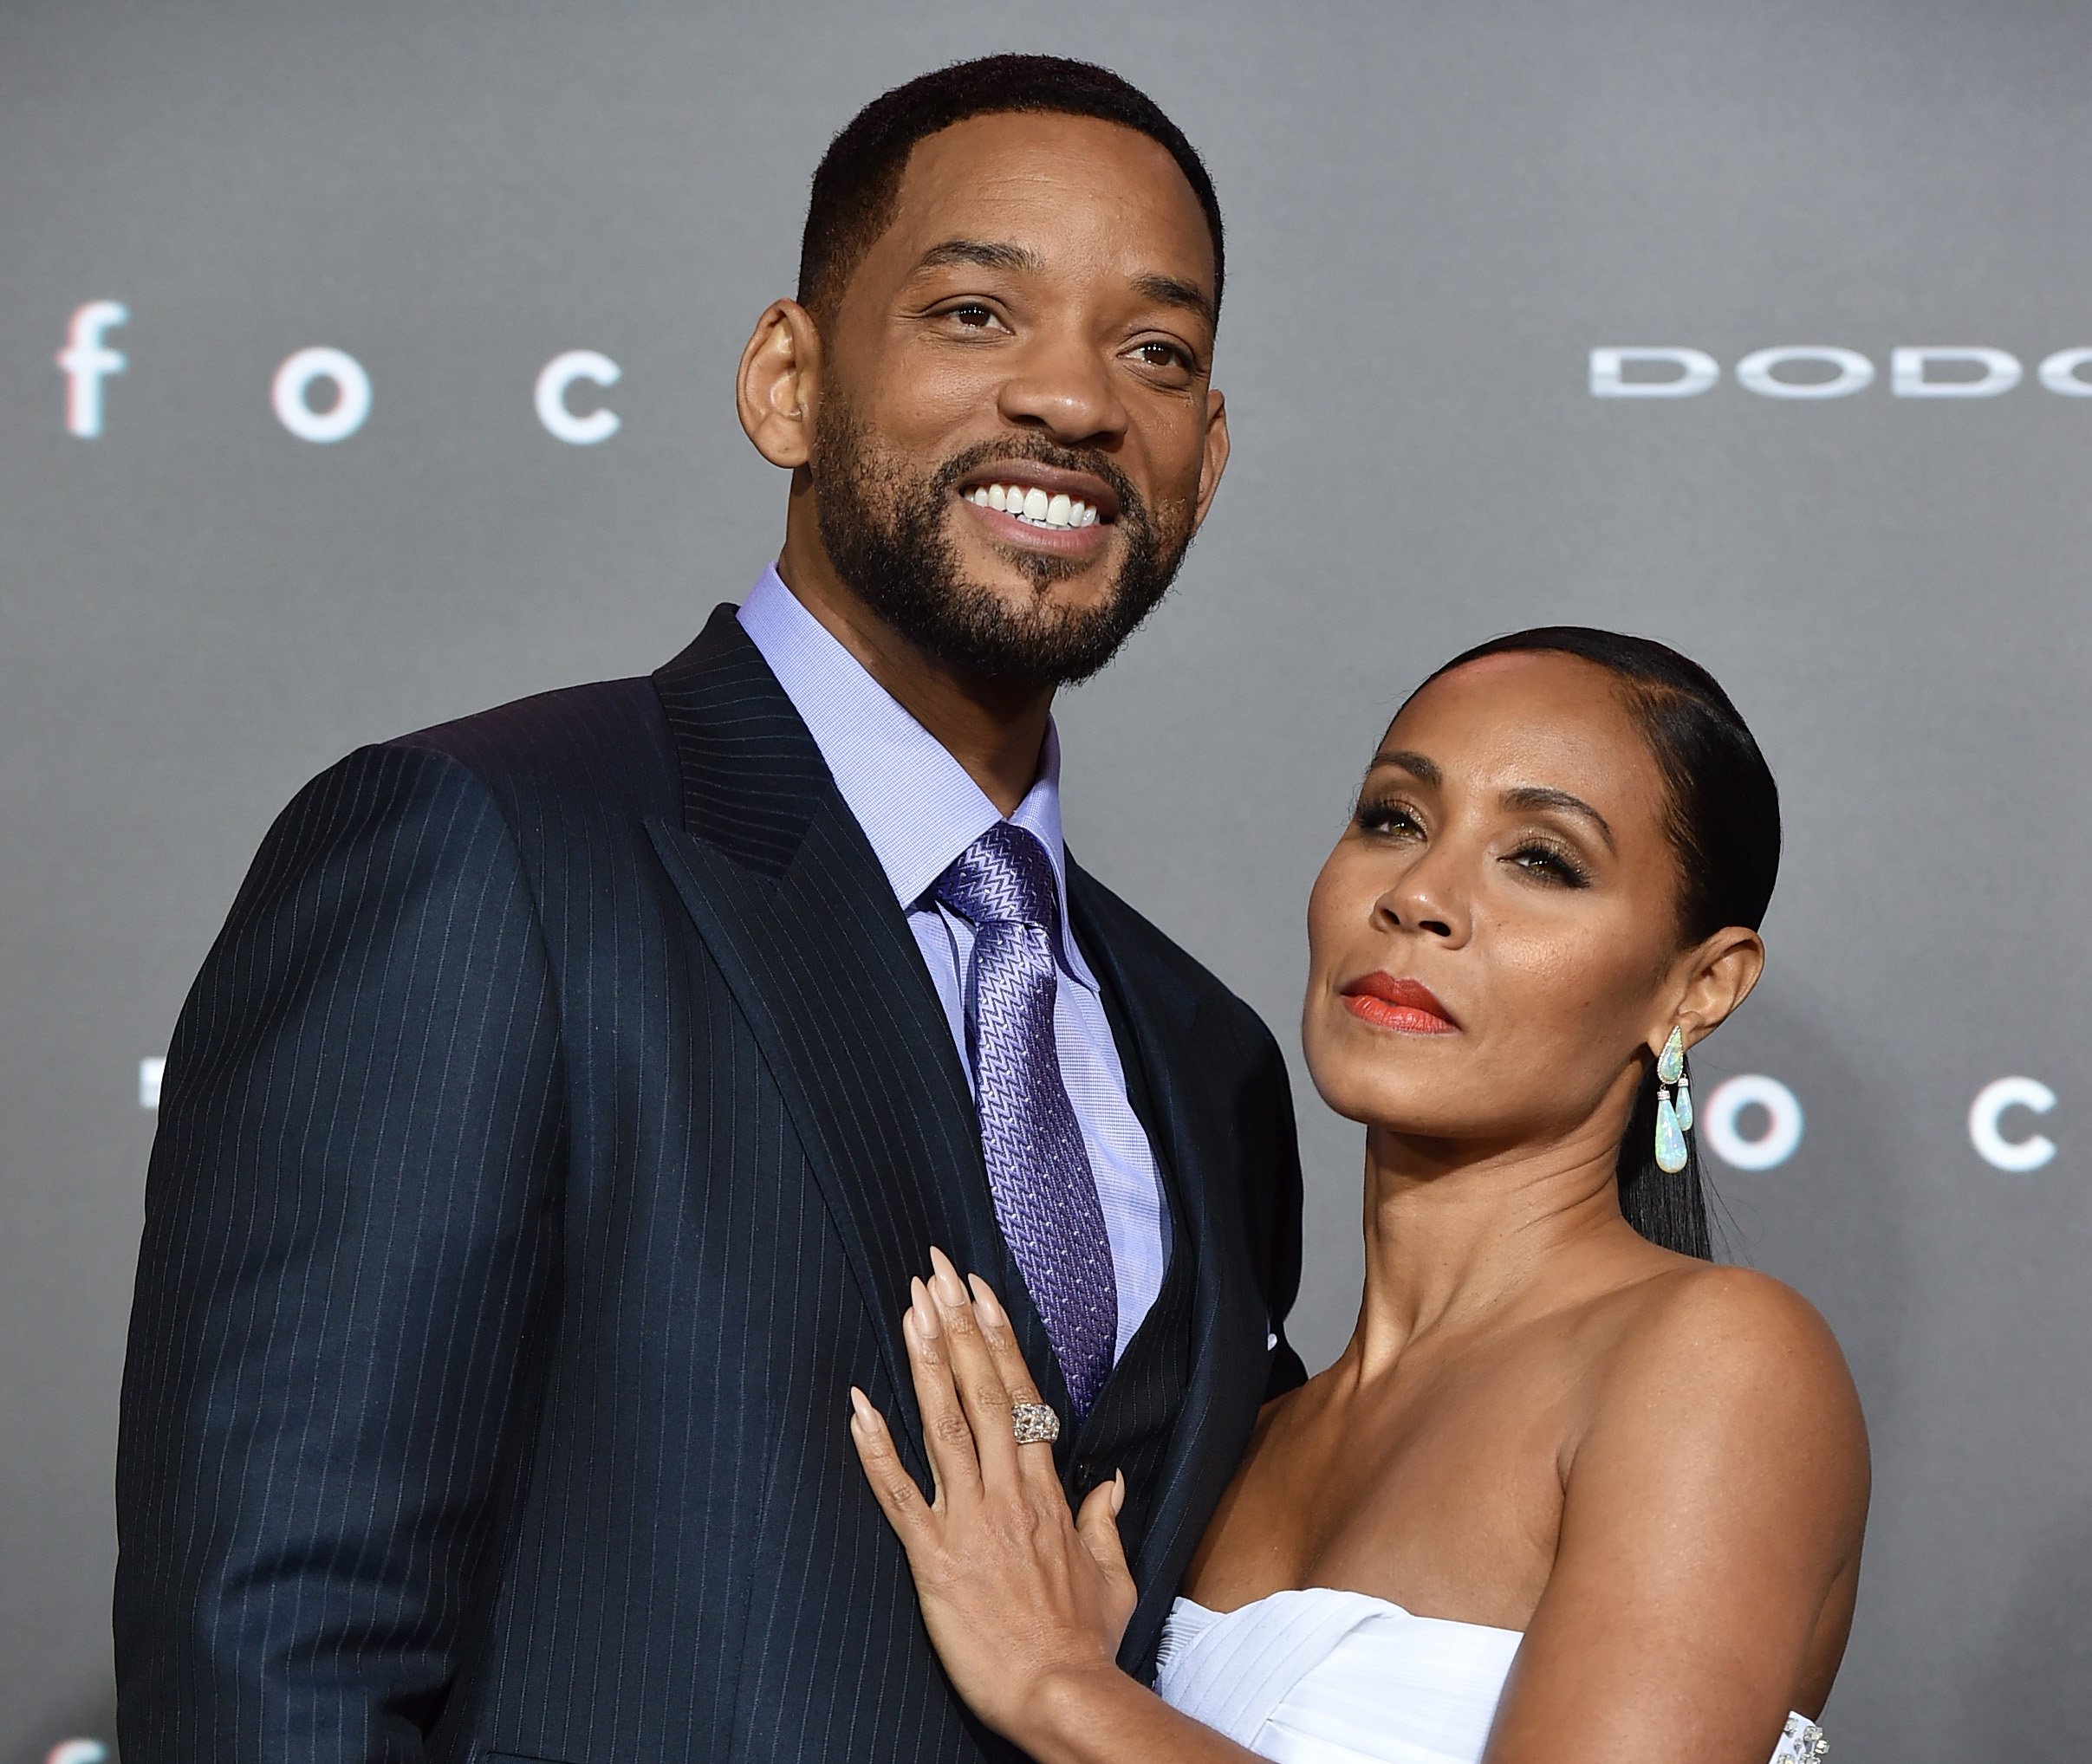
[1854,373]
[293,380]
[1985,1135]
[560,372]
[1697,371]
[2059,373]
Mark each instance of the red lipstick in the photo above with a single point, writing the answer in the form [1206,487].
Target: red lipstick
[1408,1007]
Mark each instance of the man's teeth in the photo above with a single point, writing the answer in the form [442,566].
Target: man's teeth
[1034,506]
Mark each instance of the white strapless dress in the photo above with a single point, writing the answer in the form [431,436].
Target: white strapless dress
[1320,1676]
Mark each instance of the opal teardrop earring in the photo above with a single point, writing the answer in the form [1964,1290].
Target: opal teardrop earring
[1674,1120]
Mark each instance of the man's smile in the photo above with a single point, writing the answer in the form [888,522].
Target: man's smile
[1041,507]
[1034,507]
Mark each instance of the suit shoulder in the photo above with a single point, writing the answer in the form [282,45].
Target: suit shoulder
[604,742]
[1129,927]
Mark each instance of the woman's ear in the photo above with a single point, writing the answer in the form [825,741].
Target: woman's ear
[778,383]
[1717,976]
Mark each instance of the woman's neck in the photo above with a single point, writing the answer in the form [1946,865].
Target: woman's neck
[1457,1237]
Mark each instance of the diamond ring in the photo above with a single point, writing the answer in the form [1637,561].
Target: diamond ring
[1034,1424]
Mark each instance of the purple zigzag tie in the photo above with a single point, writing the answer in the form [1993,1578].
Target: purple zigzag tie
[1038,1170]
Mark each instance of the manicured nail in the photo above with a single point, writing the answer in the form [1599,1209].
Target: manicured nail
[983,1302]
[949,1287]
[860,1407]
[1117,1493]
[924,1312]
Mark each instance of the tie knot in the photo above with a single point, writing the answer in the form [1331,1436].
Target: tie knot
[1004,877]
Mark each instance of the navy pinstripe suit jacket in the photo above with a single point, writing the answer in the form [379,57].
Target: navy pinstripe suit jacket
[546,1145]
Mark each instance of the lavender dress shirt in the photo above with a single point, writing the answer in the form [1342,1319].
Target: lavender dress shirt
[919,810]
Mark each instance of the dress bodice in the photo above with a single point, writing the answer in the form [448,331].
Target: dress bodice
[1320,1676]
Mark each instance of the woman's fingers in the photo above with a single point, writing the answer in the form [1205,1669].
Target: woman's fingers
[1097,1525]
[892,1486]
[979,1380]
[1001,1341]
[947,1433]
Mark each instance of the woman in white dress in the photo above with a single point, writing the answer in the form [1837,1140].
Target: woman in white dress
[1573,1494]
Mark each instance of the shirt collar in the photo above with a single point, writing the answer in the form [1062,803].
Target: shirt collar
[915,802]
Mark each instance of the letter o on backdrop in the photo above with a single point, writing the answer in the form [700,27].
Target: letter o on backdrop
[2060,373]
[1854,373]
[1697,371]
[551,395]
[1986,1135]
[294,380]
[1718,1121]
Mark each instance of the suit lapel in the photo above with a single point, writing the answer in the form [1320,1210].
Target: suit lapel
[789,898]
[1228,1332]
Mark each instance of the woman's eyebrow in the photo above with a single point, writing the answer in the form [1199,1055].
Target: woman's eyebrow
[1423,769]
[1531,796]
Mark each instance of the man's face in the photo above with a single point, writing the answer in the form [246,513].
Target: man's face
[1015,436]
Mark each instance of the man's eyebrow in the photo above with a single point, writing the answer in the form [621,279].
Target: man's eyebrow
[1531,796]
[998,254]
[1173,291]
[1425,771]
[983,254]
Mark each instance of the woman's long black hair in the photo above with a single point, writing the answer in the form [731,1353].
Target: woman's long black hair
[1725,826]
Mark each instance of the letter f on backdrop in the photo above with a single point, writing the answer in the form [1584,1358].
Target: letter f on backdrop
[86,361]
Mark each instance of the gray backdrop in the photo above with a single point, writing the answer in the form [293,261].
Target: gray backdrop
[1437,213]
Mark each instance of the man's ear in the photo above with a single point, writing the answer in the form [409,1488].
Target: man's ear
[1216,459]
[778,383]
[1717,977]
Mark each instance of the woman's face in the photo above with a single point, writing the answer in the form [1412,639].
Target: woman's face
[1494,942]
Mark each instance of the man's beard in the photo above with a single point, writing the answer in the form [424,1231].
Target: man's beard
[885,533]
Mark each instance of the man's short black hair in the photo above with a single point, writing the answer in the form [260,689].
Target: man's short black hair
[858,182]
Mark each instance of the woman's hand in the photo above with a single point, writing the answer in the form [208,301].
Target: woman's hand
[1017,1595]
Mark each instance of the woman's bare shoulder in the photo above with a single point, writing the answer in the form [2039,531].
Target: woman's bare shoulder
[1738,1364]
[1733,1325]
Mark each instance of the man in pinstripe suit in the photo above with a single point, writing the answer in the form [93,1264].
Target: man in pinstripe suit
[551,1136]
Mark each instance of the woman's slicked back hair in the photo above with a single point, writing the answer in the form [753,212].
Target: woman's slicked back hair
[1723,816]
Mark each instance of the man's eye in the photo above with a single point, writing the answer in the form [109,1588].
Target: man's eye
[1163,355]
[974,317]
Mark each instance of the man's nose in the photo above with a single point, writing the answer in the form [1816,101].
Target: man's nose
[1064,384]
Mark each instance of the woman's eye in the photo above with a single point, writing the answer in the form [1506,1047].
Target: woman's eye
[1388,818]
[1550,865]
